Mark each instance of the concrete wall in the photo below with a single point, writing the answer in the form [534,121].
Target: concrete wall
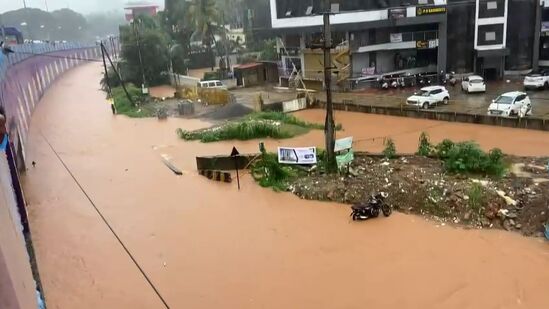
[523,123]
[17,286]
[27,74]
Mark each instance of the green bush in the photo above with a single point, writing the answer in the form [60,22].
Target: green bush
[390,149]
[425,147]
[244,130]
[269,173]
[443,148]
[467,157]
[285,118]
[125,107]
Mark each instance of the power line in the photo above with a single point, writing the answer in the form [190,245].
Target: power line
[106,223]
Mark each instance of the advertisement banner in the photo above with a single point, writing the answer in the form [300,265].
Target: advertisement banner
[302,155]
[396,37]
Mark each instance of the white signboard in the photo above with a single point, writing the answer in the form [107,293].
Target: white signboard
[304,155]
[396,37]
[294,105]
[343,144]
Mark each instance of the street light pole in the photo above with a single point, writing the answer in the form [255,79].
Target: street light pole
[329,126]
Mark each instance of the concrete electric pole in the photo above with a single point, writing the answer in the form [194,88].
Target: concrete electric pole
[329,126]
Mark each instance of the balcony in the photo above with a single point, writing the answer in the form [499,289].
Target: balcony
[391,41]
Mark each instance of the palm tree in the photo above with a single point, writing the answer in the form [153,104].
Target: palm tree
[203,17]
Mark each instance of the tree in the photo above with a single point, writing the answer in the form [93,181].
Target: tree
[144,36]
[203,16]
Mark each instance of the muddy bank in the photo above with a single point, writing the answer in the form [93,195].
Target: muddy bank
[207,245]
[420,185]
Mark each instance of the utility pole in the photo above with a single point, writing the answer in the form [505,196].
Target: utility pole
[329,126]
[136,32]
[105,53]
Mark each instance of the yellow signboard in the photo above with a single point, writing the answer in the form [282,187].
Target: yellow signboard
[430,10]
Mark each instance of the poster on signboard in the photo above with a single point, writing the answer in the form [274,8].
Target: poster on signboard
[301,155]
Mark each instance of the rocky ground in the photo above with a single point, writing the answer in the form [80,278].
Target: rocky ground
[519,201]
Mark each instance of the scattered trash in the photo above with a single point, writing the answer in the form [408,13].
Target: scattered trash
[508,200]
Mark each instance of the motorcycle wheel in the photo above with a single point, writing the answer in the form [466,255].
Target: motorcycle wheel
[355,216]
[387,210]
[375,212]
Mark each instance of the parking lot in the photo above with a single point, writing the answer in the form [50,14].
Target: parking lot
[475,103]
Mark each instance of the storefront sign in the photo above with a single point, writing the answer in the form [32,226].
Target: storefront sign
[305,155]
[430,10]
[426,44]
[396,37]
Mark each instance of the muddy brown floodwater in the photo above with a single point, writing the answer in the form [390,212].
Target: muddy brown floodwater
[206,245]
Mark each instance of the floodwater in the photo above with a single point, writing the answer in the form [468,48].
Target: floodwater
[206,245]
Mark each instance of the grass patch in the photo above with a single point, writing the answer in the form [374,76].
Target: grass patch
[477,198]
[256,125]
[125,107]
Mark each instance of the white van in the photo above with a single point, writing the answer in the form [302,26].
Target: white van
[212,84]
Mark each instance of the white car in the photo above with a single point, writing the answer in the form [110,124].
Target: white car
[511,104]
[536,80]
[212,84]
[473,83]
[429,96]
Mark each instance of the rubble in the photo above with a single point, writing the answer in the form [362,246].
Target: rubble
[419,185]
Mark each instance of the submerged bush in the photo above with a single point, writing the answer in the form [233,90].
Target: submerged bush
[271,174]
[245,130]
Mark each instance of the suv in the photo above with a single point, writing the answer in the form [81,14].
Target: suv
[212,84]
[537,80]
[511,104]
[429,96]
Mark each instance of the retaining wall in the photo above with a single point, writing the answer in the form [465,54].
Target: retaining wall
[523,123]
[27,74]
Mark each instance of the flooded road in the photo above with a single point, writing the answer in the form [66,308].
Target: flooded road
[206,245]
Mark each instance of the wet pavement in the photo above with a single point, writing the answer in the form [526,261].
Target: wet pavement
[207,245]
[474,103]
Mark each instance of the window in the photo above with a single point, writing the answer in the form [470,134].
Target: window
[490,36]
[218,84]
[492,5]
[436,91]
[211,84]
[520,98]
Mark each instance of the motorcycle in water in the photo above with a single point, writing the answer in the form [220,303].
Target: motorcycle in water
[375,205]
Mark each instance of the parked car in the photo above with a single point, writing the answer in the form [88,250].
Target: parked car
[211,84]
[429,96]
[537,80]
[473,83]
[511,104]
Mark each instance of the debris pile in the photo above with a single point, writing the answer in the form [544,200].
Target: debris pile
[518,201]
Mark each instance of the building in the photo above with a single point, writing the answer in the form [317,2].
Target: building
[134,9]
[489,37]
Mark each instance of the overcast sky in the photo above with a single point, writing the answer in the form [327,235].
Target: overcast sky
[80,6]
